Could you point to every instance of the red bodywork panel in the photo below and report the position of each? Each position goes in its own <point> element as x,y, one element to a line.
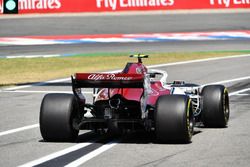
<point>129,84</point>
<point>135,94</point>
<point>157,90</point>
<point>127,93</point>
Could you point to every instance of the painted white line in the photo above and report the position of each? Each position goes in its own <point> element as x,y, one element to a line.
<point>92,154</point>
<point>18,129</point>
<point>32,56</point>
<point>198,61</point>
<point>239,91</point>
<point>39,84</point>
<point>35,91</point>
<point>244,94</point>
<point>56,154</point>
<point>38,91</point>
<point>229,81</point>
<point>152,66</point>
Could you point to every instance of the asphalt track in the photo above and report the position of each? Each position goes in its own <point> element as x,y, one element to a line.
<point>124,24</point>
<point>181,46</point>
<point>118,24</point>
<point>210,147</point>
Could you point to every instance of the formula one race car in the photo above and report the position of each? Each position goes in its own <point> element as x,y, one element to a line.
<point>133,99</point>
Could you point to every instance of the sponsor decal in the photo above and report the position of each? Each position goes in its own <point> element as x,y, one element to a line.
<point>229,3</point>
<point>39,4</point>
<point>114,4</point>
<point>97,77</point>
<point>10,6</point>
<point>64,6</point>
<point>1,6</point>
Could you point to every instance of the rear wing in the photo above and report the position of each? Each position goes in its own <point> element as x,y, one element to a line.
<point>104,80</point>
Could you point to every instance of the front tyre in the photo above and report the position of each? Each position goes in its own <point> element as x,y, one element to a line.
<point>58,113</point>
<point>174,120</point>
<point>215,111</point>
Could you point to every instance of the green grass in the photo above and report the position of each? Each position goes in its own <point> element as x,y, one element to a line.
<point>19,71</point>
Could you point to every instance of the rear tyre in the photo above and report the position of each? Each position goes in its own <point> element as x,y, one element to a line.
<point>174,120</point>
<point>215,111</point>
<point>58,113</point>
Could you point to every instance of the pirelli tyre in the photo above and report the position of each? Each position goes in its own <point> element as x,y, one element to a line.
<point>58,113</point>
<point>215,106</point>
<point>174,120</point>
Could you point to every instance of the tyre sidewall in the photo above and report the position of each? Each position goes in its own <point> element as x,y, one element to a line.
<point>214,102</point>
<point>172,119</point>
<point>56,117</point>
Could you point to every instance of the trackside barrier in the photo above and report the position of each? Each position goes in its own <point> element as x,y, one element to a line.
<point>71,6</point>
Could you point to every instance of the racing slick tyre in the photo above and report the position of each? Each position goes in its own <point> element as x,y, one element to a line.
<point>215,111</point>
<point>58,112</point>
<point>174,120</point>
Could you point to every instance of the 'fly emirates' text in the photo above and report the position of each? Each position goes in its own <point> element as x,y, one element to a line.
<point>228,3</point>
<point>113,4</point>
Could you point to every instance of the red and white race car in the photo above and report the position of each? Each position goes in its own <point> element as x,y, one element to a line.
<point>134,98</point>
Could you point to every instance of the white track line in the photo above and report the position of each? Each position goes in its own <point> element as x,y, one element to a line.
<point>239,91</point>
<point>18,129</point>
<point>55,155</point>
<point>244,94</point>
<point>198,61</point>
<point>38,84</point>
<point>38,91</point>
<point>31,56</point>
<point>229,81</point>
<point>34,91</point>
<point>92,154</point>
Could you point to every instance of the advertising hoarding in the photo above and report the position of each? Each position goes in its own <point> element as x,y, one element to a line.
<point>67,6</point>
